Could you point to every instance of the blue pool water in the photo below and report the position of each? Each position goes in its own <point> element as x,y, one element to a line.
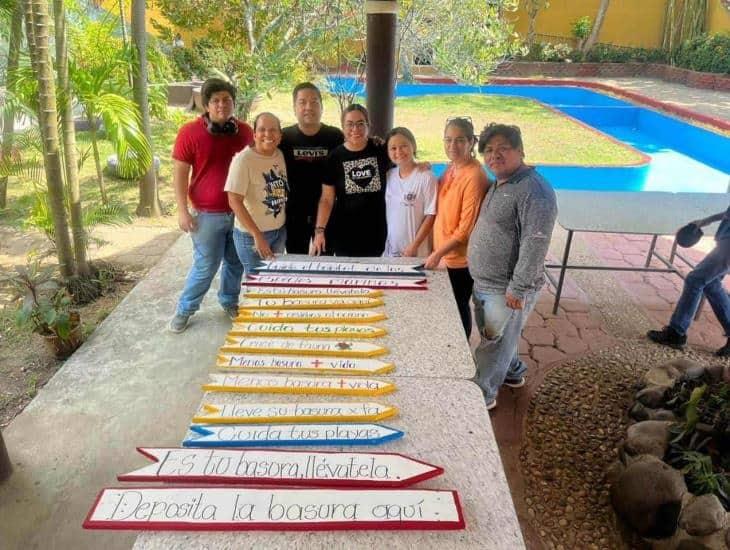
<point>683,157</point>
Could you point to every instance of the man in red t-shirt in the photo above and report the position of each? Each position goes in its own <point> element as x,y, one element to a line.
<point>206,146</point>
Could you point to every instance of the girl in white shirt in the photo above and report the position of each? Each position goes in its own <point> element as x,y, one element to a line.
<point>410,198</point>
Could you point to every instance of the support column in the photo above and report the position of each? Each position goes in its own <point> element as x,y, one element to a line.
<point>5,467</point>
<point>382,20</point>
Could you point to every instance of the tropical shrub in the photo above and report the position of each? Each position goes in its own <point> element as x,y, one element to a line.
<point>707,53</point>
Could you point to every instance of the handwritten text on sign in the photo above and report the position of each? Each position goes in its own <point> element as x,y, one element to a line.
<point>260,413</point>
<point>302,346</point>
<point>260,292</point>
<point>337,282</point>
<point>327,385</point>
<point>282,363</point>
<point>309,303</point>
<point>339,267</point>
<point>309,468</point>
<point>322,330</point>
<point>310,316</point>
<point>289,434</point>
<point>247,509</point>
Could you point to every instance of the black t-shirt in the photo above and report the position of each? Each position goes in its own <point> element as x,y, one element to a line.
<point>305,158</point>
<point>359,213</point>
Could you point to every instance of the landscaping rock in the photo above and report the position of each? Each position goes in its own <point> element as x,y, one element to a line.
<point>650,437</point>
<point>663,375</point>
<point>702,515</point>
<point>692,545</point>
<point>715,372</point>
<point>652,396</point>
<point>663,414</point>
<point>648,496</point>
<point>687,367</point>
<point>640,412</point>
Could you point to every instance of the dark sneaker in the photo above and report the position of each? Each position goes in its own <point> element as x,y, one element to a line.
<point>232,312</point>
<point>179,323</point>
<point>668,337</point>
<point>724,351</point>
<point>515,382</point>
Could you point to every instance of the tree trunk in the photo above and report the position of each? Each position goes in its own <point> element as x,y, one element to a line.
<point>149,201</point>
<point>125,41</point>
<point>531,21</point>
<point>597,24</point>
<point>48,122</point>
<point>16,36</point>
<point>69,141</point>
<point>91,118</point>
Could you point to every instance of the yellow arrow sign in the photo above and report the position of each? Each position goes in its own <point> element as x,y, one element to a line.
<point>304,330</point>
<point>320,385</point>
<point>306,365</point>
<point>302,346</point>
<point>310,316</point>
<point>268,413</point>
<point>309,303</point>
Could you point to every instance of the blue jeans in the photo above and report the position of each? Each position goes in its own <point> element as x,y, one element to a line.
<point>246,248</point>
<point>497,355</point>
<point>705,278</point>
<point>212,243</point>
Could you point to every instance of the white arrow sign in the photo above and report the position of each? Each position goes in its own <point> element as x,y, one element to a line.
<point>291,266</point>
<point>321,385</point>
<point>271,280</point>
<point>313,364</point>
<point>230,508</point>
<point>280,435</point>
<point>268,466</point>
<point>277,292</point>
<point>304,330</point>
<point>309,303</point>
<point>302,346</point>
<point>310,316</point>
<point>266,413</point>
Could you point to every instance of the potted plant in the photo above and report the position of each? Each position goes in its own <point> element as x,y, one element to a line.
<point>46,307</point>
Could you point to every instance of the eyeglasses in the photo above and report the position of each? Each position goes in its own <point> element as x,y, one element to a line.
<point>360,124</point>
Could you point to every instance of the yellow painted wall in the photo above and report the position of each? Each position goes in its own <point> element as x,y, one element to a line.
<point>634,23</point>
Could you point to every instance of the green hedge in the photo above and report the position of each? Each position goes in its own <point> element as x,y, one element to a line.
<point>707,53</point>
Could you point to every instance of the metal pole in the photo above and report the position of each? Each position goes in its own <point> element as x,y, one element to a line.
<point>5,467</point>
<point>382,19</point>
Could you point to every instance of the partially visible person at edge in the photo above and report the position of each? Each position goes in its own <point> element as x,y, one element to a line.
<point>354,185</point>
<point>460,193</point>
<point>257,193</point>
<point>706,278</point>
<point>410,198</point>
<point>507,256</point>
<point>205,147</point>
<point>306,145</point>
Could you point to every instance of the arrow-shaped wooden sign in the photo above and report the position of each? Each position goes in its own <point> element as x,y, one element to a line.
<point>310,316</point>
<point>302,346</point>
<point>335,267</point>
<point>306,330</point>
<point>310,303</point>
<point>269,413</point>
<point>288,435</point>
<point>302,280</point>
<point>278,292</point>
<point>242,509</point>
<point>306,365</point>
<point>319,385</point>
<point>276,467</point>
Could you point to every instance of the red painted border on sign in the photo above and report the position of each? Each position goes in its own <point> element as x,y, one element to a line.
<point>421,285</point>
<point>304,526</point>
<point>226,480</point>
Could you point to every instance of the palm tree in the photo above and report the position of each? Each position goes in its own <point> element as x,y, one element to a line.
<point>14,42</point>
<point>37,24</point>
<point>597,24</point>
<point>149,202</point>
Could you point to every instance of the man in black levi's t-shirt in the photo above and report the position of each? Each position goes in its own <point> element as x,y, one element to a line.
<point>306,146</point>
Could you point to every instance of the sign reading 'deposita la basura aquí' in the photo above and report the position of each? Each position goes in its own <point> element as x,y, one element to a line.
<point>324,280</point>
<point>352,268</point>
<point>231,508</point>
<point>273,466</point>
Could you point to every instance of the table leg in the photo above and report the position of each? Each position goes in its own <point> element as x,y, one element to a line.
<point>652,247</point>
<point>564,263</point>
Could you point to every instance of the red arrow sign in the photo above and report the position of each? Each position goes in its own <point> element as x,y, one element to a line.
<point>267,466</point>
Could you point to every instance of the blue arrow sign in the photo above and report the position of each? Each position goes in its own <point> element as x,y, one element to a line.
<point>272,435</point>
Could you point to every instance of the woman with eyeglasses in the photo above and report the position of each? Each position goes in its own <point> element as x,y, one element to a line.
<point>461,190</point>
<point>354,179</point>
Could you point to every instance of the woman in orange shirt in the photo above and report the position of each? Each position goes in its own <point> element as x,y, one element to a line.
<point>461,190</point>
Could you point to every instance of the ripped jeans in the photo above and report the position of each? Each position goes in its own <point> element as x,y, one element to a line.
<point>497,355</point>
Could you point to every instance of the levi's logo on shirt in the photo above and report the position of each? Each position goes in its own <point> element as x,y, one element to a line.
<point>309,153</point>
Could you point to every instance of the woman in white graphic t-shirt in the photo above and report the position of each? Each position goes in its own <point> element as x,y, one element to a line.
<point>410,198</point>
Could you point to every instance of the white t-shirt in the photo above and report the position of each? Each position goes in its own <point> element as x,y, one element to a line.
<point>407,202</point>
<point>262,182</point>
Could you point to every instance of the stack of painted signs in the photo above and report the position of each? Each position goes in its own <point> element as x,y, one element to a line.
<point>308,330</point>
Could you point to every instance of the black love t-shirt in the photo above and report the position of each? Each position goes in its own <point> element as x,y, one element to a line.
<point>359,214</point>
<point>305,158</point>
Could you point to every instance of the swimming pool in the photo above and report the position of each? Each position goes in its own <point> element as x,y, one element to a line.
<point>684,157</point>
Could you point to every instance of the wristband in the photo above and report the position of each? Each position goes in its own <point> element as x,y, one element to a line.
<point>319,229</point>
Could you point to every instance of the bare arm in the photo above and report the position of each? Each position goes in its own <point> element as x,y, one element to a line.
<point>244,217</point>
<point>181,181</point>
<point>423,232</point>
<point>711,219</point>
<point>324,210</point>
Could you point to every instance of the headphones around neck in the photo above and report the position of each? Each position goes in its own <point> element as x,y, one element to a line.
<point>228,128</point>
